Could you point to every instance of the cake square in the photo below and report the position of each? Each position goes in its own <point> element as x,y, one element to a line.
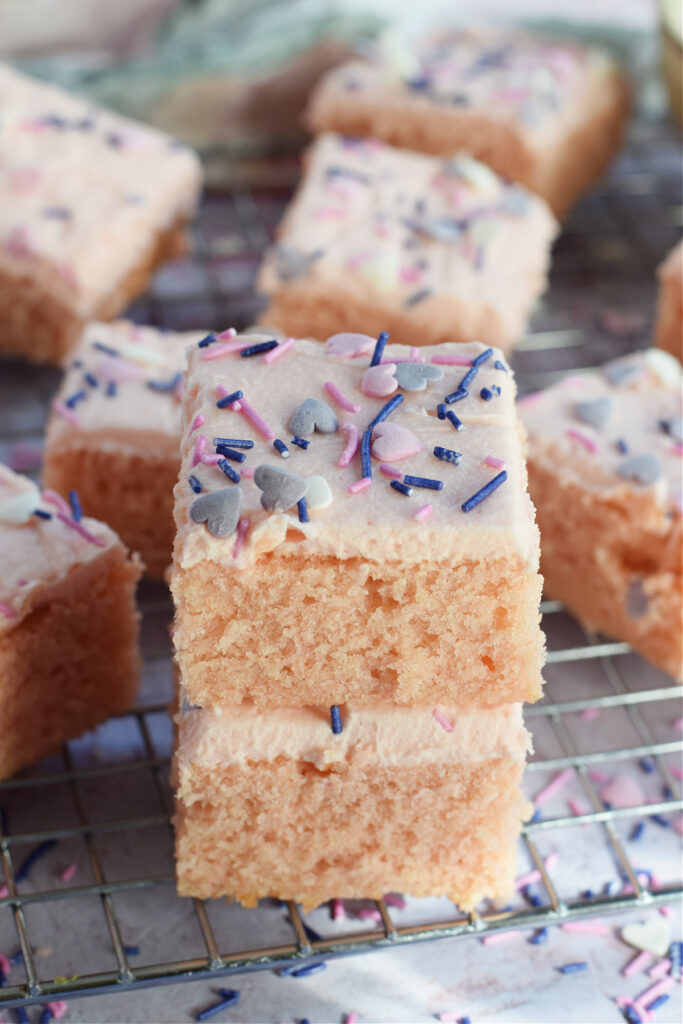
<point>669,324</point>
<point>419,800</point>
<point>114,433</point>
<point>315,577</point>
<point>605,476</point>
<point>90,204</point>
<point>544,113</point>
<point>431,250</point>
<point>68,623</point>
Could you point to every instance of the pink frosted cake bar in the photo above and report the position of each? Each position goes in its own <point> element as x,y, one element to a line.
<point>114,433</point>
<point>430,250</point>
<point>68,623</point>
<point>273,803</point>
<point>669,325</point>
<point>605,475</point>
<point>546,114</point>
<point>387,554</point>
<point>90,204</point>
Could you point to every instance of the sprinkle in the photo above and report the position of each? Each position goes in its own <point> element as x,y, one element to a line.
<point>659,819</point>
<point>393,900</point>
<point>456,396</point>
<point>621,446</point>
<point>596,775</point>
<point>229,332</point>
<point>64,411</point>
<point>468,378</point>
<point>226,468</point>
<point>232,442</point>
<point>281,350</point>
<point>590,445</point>
<point>457,423</point>
<point>223,350</point>
<point>448,455</point>
<point>423,481</point>
<point>206,341</point>
<point>58,1008</point>
<point>335,719</point>
<point>393,472</point>
<point>337,910</point>
<point>359,485</point>
<point>57,500</point>
<point>45,1017</point>
<point>304,972</point>
<point>242,531</point>
<point>639,963</point>
<point>111,389</point>
<point>230,997</point>
<point>200,446</point>
<point>7,611</point>
<point>659,1001</point>
<point>230,399</point>
<point>257,421</point>
<point>385,411</point>
<point>483,357</point>
<point>574,968</point>
<point>342,401</point>
<point>555,784</point>
<point>197,422</point>
<point>107,349</point>
<point>365,460</point>
<point>42,514</point>
<point>281,447</point>
<point>68,873</point>
<point>403,488</point>
<point>351,444</point>
<point>447,359</point>
<point>494,463</point>
<point>382,339</point>
<point>637,832</point>
<point>539,937</point>
<point>590,714</point>
<point>655,990</point>
<point>660,969</point>
<point>484,492</point>
<point>367,914</point>
<point>74,502</point>
<point>423,513</point>
<point>442,720</point>
<point>31,858</point>
<point>131,950</point>
<point>587,927</point>
<point>675,956</point>
<point>300,442</point>
<point>302,510</point>
<point>258,349</point>
<point>497,937</point>
<point>576,807</point>
<point>230,453</point>
<point>79,528</point>
<point>165,385</point>
<point>90,379</point>
<point>351,1018</point>
<point>500,366</point>
<point>486,394</point>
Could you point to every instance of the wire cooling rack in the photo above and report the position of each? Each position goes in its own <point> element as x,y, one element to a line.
<point>94,909</point>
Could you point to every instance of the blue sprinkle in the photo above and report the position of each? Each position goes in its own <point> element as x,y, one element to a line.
<point>574,968</point>
<point>302,509</point>
<point>632,1015</point>
<point>195,484</point>
<point>304,1020</point>
<point>496,390</point>
<point>335,719</point>
<point>111,389</point>
<point>263,346</point>
<point>539,937</point>
<point>165,385</point>
<point>607,805</point>
<point>423,481</point>
<point>464,1020</point>
<point>382,339</point>
<point>500,366</point>
<point>229,993</point>
<point>74,399</point>
<point>215,1008</point>
<point>537,816</point>
<point>233,442</point>
<point>74,502</point>
<point>486,394</point>
<point>312,934</point>
<point>365,461</point>
<point>448,455</point>
<point>483,357</point>
<point>532,898</point>
<point>659,1001</point>
<point>441,411</point>
<point>385,411</point>
<point>587,894</point>
<point>675,955</point>
<point>230,453</point>
<point>22,1015</point>
<point>41,514</point>
<point>91,379</point>
<point>300,442</point>
<point>659,819</point>
<point>131,950</point>
<point>231,473</point>
<point>229,399</point>
<point>484,492</point>
<point>107,349</point>
<point>46,1016</point>
<point>468,378</point>
<point>206,341</point>
<point>647,765</point>
<point>667,793</point>
<point>31,858</point>
<point>17,958</point>
<point>3,979</point>
<point>281,447</point>
<point>303,972</point>
<point>622,446</point>
<point>403,488</point>
<point>457,423</point>
<point>456,396</point>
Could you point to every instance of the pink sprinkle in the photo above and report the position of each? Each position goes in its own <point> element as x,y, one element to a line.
<point>450,359</point>
<point>623,791</point>
<point>341,399</point>
<point>639,963</point>
<point>223,392</point>
<point>211,460</point>
<point>68,414</point>
<point>200,446</point>
<point>230,332</point>
<point>391,471</point>
<point>5,965</point>
<point>57,500</point>
<point>351,444</point>
<point>555,784</point>
<point>338,912</point>
<point>368,914</point>
<point>423,513</point>
<point>492,940</point>
<point>277,353</point>
<point>597,776</point>
<point>677,773</point>
<point>643,1012</point>
<point>591,446</point>
<point>393,900</point>
<point>216,351</point>
<point>677,449</point>
<point>257,421</point>
<point>666,911</point>
<point>197,422</point>
<point>68,873</point>
<point>8,612</point>
<point>660,969</point>
<point>58,1009</point>
<point>442,720</point>
<point>417,358</point>
<point>242,531</point>
<point>587,927</point>
<point>4,891</point>
<point>551,860</point>
<point>351,1018</point>
<point>410,274</point>
<point>359,485</point>
<point>491,460</point>
<point>79,528</point>
<point>655,990</point>
<point>576,807</point>
<point>590,714</point>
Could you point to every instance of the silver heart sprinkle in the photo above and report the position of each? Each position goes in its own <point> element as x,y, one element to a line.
<point>414,376</point>
<point>643,469</point>
<point>620,371</point>
<point>595,412</point>
<point>220,510</point>
<point>281,488</point>
<point>313,415</point>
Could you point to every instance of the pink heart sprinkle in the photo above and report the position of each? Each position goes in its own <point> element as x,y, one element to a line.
<point>379,381</point>
<point>349,346</point>
<point>392,442</point>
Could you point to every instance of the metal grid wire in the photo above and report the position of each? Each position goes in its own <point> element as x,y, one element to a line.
<point>109,804</point>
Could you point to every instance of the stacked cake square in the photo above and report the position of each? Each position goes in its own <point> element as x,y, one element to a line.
<point>356,585</point>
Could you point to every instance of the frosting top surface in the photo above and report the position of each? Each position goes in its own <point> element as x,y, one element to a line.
<point>408,225</point>
<point>84,190</point>
<point>376,521</point>
<point>381,733</point>
<point>39,553</point>
<point>614,428</point>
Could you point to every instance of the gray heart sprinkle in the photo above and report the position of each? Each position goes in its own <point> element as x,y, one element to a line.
<point>313,415</point>
<point>220,510</point>
<point>674,428</point>
<point>281,488</point>
<point>414,376</point>
<point>594,412</point>
<point>643,469</point>
<point>620,371</point>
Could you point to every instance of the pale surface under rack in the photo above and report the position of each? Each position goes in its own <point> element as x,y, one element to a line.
<point>117,923</point>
